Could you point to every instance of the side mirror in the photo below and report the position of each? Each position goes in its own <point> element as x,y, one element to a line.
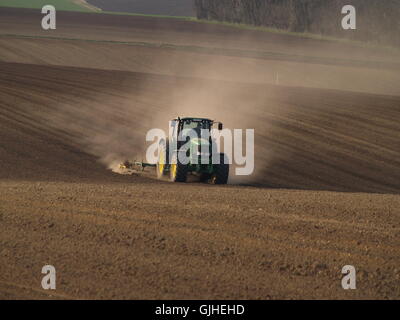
<point>220,126</point>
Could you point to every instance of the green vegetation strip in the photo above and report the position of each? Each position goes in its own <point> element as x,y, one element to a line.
<point>63,5</point>
<point>228,52</point>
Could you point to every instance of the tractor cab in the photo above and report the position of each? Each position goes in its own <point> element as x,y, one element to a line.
<point>180,125</point>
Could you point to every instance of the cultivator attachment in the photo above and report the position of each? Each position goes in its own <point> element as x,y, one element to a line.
<point>135,165</point>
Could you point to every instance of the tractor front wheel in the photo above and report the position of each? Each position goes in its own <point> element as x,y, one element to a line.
<point>221,171</point>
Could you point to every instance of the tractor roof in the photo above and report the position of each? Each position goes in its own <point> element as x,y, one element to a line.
<point>196,119</point>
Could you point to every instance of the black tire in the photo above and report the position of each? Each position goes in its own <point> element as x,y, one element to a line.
<point>167,150</point>
<point>221,171</point>
<point>178,172</point>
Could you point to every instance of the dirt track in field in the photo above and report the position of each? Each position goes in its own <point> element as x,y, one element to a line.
<point>325,193</point>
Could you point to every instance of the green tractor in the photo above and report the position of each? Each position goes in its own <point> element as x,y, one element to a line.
<point>192,136</point>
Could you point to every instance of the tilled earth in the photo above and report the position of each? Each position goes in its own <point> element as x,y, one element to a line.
<point>325,192</point>
<point>156,241</point>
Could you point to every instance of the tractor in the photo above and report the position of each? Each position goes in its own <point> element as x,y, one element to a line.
<point>193,137</point>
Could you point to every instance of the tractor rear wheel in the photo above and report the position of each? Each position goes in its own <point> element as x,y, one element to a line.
<point>221,171</point>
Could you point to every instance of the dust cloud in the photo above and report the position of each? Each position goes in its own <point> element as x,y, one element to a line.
<point>112,122</point>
